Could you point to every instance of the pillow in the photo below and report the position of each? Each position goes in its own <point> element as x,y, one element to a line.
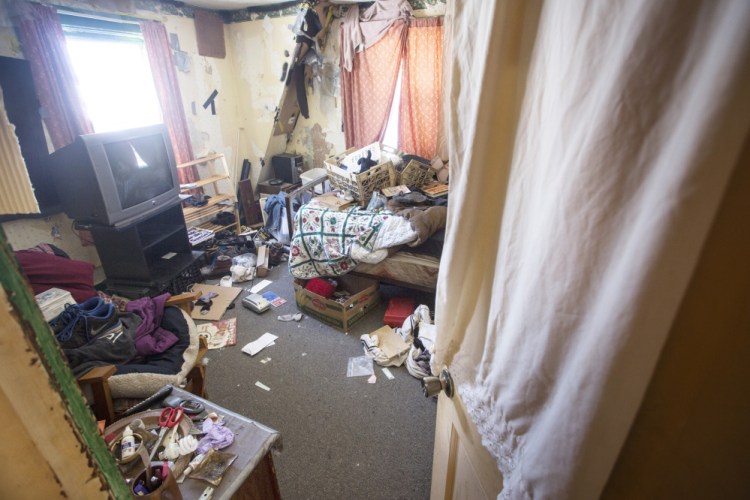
<point>45,271</point>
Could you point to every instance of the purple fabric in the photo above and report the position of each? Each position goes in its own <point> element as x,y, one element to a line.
<point>217,436</point>
<point>150,337</point>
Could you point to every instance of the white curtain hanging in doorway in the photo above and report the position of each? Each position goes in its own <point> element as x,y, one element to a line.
<point>590,146</point>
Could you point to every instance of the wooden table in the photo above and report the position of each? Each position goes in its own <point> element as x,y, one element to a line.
<point>252,475</point>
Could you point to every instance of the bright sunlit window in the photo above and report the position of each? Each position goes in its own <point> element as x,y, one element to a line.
<point>114,79</point>
<point>391,129</point>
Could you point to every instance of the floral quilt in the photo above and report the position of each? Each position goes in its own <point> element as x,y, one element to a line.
<point>323,240</point>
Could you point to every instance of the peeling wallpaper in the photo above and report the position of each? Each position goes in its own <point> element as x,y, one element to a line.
<point>290,9</point>
<point>320,136</point>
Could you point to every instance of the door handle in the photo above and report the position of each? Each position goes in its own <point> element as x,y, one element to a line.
<point>431,386</point>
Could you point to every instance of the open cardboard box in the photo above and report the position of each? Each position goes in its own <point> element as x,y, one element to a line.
<point>261,267</point>
<point>365,295</point>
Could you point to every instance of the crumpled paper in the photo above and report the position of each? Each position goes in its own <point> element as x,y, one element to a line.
<point>217,436</point>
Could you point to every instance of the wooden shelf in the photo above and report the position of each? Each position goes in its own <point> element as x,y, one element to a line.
<point>205,159</point>
<point>194,213</point>
<point>217,172</point>
<point>203,182</point>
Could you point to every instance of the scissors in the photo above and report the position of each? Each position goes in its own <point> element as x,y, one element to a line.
<point>168,419</point>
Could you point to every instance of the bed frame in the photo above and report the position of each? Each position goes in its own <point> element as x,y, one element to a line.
<point>402,268</point>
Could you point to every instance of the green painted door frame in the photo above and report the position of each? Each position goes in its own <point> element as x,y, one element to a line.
<point>23,301</point>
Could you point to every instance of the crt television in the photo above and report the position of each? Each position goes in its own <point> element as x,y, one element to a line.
<point>116,178</point>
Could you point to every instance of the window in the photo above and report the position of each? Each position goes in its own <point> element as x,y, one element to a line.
<point>391,129</point>
<point>114,77</point>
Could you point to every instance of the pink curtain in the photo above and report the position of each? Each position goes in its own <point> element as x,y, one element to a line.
<point>168,90</point>
<point>368,89</point>
<point>43,43</point>
<point>419,115</point>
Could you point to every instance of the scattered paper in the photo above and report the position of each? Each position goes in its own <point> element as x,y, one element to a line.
<point>256,346</point>
<point>274,299</point>
<point>219,333</point>
<point>291,317</point>
<point>168,256</point>
<point>262,386</point>
<point>265,360</point>
<point>260,286</point>
<point>372,379</point>
<point>388,374</point>
<point>388,192</point>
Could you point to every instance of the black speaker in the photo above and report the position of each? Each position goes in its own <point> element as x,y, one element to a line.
<point>287,167</point>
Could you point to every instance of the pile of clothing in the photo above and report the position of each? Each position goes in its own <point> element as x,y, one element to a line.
<point>414,346</point>
<point>145,337</point>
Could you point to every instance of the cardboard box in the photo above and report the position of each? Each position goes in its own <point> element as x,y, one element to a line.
<point>225,295</point>
<point>261,267</point>
<point>331,201</point>
<point>53,301</point>
<point>365,296</point>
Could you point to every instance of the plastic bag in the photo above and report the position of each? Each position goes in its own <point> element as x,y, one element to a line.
<point>360,366</point>
<point>245,260</point>
<point>377,202</point>
<point>243,267</point>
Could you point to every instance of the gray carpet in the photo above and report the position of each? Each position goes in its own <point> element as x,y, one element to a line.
<point>342,437</point>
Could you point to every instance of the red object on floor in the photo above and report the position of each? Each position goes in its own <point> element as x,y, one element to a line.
<point>399,308</point>
<point>321,287</point>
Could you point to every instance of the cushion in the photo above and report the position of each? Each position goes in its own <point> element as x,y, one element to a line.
<point>142,385</point>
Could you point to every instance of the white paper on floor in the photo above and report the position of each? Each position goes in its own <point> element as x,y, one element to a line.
<point>372,379</point>
<point>262,386</point>
<point>260,286</point>
<point>388,374</point>
<point>256,346</point>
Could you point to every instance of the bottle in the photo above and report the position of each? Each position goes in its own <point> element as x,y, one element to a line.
<point>127,444</point>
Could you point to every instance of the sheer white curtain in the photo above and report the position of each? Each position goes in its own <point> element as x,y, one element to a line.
<point>590,144</point>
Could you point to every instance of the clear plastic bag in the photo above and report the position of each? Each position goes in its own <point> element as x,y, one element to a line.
<point>377,202</point>
<point>245,260</point>
<point>360,366</point>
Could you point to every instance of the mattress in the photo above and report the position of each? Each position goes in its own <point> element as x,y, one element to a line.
<point>405,269</point>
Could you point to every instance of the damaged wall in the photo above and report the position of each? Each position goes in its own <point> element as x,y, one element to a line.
<point>257,49</point>
<point>260,47</point>
<point>316,137</point>
<point>322,135</point>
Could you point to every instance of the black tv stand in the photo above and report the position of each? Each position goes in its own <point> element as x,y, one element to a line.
<point>147,257</point>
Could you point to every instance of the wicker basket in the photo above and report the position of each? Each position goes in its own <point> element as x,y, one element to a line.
<point>416,174</point>
<point>361,186</point>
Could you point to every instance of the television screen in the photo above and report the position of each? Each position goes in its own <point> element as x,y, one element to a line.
<point>140,167</point>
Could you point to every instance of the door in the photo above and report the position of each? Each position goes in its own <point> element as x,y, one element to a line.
<point>461,467</point>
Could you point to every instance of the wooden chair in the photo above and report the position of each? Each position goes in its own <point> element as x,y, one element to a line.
<point>97,384</point>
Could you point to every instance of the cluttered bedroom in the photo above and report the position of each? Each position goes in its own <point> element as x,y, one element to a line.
<point>396,249</point>
<point>231,217</point>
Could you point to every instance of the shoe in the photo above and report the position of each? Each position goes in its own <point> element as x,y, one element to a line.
<point>72,311</point>
<point>87,326</point>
